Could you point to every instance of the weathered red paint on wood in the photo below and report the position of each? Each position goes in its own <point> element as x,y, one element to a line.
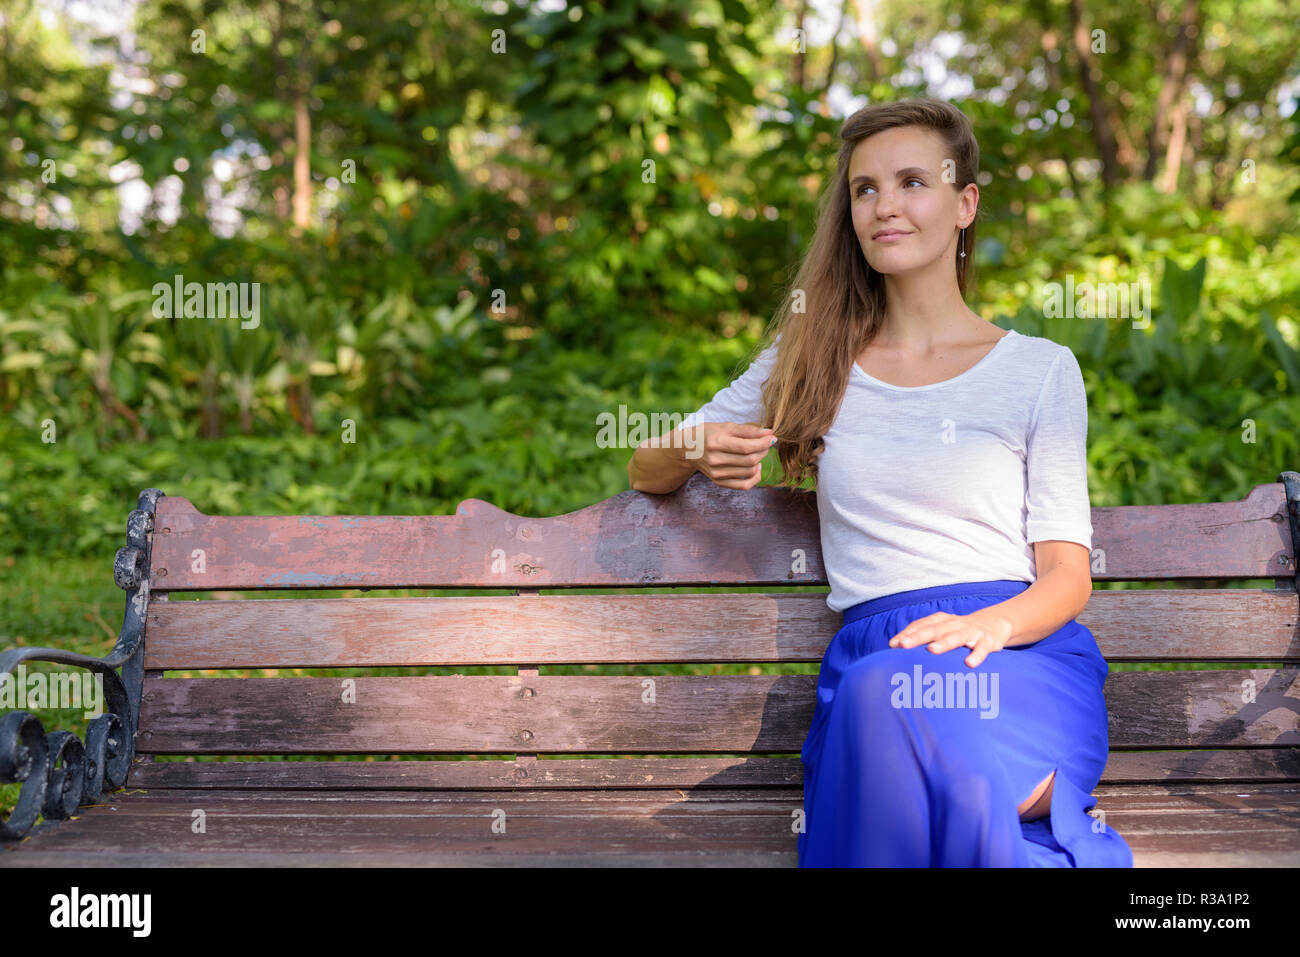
<point>701,534</point>
<point>1198,624</point>
<point>611,715</point>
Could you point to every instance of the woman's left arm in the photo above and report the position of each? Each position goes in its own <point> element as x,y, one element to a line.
<point>1058,594</point>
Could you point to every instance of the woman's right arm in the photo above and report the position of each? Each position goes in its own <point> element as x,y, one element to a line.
<point>729,453</point>
<point>660,464</point>
<point>711,440</point>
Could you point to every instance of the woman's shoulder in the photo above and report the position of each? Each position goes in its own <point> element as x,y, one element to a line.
<point>1040,349</point>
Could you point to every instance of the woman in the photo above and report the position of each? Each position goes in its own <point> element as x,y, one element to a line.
<point>960,719</point>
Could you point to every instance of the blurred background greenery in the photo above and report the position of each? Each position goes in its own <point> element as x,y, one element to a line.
<point>461,249</point>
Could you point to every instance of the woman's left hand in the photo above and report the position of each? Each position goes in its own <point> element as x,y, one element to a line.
<point>982,631</point>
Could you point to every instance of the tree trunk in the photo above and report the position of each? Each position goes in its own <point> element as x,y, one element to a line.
<point>1050,41</point>
<point>1175,79</point>
<point>835,59</point>
<point>796,80</point>
<point>301,163</point>
<point>299,400</point>
<point>869,30</point>
<point>1101,131</point>
<point>1177,142</point>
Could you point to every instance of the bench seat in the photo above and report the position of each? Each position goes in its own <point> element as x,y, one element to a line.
<point>1178,825</point>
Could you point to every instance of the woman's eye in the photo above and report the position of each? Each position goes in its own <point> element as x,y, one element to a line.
<point>912,180</point>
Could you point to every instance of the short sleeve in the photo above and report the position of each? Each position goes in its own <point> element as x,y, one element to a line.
<point>1056,458</point>
<point>742,401</point>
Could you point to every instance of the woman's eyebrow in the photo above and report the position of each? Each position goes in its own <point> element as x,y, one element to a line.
<point>909,171</point>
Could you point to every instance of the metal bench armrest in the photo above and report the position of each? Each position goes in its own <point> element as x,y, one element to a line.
<point>59,773</point>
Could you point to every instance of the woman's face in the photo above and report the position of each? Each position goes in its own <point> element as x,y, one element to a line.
<point>897,183</point>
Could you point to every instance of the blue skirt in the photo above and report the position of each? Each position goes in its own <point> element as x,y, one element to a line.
<point>915,759</point>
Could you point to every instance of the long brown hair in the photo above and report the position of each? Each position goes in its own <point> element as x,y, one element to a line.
<point>835,304</point>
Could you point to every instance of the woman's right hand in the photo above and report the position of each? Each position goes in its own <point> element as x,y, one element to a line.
<point>732,453</point>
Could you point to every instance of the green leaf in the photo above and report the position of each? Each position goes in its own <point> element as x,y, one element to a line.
<point>1181,289</point>
<point>1285,354</point>
<point>22,360</point>
<point>646,57</point>
<point>712,122</point>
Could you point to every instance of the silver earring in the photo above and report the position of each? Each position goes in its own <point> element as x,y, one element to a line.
<point>962,243</point>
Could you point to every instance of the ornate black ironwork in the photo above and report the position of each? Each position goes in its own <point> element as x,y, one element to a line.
<point>57,771</point>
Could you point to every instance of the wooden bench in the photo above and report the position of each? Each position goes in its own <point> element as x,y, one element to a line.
<point>675,769</point>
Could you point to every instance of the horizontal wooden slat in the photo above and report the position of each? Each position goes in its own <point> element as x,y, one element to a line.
<point>1165,825</point>
<point>479,774</point>
<point>1250,538</point>
<point>375,632</point>
<point>1185,825</point>
<point>701,534</point>
<point>1197,709</point>
<point>537,824</point>
<point>1195,624</point>
<point>608,715</point>
<point>1224,624</point>
<point>1123,767</point>
<point>1208,765</point>
<point>475,713</point>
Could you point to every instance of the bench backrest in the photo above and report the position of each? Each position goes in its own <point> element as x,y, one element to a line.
<point>1242,723</point>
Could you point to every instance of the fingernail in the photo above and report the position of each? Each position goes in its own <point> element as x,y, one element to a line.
<point>773,442</point>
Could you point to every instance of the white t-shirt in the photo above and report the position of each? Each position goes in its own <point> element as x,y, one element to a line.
<point>944,483</point>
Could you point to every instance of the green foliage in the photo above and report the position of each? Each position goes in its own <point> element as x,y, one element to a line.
<point>520,220</point>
